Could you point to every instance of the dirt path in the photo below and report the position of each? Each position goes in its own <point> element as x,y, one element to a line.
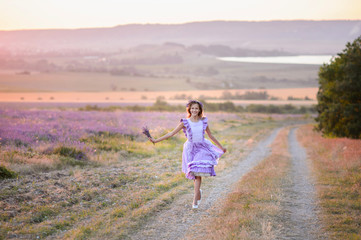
<point>174,222</point>
<point>298,219</point>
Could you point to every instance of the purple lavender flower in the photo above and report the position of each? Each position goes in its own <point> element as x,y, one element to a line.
<point>146,132</point>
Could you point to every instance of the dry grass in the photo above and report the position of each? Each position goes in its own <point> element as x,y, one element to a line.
<point>337,166</point>
<point>248,211</point>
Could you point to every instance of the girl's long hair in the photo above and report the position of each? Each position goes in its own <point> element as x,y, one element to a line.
<point>200,105</point>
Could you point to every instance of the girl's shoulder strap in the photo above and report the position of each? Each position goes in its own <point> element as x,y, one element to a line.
<point>205,123</point>
<point>185,121</point>
<point>185,125</point>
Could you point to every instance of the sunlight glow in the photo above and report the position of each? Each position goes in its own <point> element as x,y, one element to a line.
<point>39,14</point>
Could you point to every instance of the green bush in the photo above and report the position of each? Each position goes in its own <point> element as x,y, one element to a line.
<point>70,152</point>
<point>6,173</point>
<point>339,98</point>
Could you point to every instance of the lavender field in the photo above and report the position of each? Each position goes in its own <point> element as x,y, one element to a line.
<point>24,130</point>
<point>86,174</point>
<point>43,132</point>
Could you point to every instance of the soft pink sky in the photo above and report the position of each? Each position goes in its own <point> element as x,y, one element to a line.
<point>40,14</point>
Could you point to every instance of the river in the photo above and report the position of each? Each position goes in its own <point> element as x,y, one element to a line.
<point>300,59</point>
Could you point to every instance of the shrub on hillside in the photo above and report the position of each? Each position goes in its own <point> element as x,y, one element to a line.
<point>339,98</point>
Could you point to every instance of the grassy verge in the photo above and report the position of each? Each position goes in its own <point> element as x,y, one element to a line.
<point>337,166</point>
<point>248,211</point>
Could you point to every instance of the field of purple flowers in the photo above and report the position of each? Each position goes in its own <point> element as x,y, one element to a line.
<point>43,131</point>
<point>90,174</point>
<point>31,128</point>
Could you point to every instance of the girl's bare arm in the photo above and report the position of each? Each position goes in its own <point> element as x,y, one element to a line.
<point>208,130</point>
<point>168,135</point>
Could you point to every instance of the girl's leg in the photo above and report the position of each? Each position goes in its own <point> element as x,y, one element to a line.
<point>197,186</point>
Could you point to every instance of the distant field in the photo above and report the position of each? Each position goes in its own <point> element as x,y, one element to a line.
<point>200,73</point>
<point>87,82</point>
<point>149,97</point>
<point>82,80</point>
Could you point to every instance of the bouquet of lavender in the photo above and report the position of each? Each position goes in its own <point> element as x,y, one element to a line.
<point>146,132</point>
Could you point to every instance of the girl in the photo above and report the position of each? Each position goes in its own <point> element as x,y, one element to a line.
<point>199,154</point>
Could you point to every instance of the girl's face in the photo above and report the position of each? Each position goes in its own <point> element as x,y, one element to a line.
<point>194,109</point>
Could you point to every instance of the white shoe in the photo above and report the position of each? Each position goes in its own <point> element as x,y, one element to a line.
<point>199,201</point>
<point>194,206</point>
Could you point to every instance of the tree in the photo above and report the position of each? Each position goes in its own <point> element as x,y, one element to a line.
<point>339,94</point>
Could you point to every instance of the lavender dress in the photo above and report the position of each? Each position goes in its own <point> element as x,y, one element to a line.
<point>199,154</point>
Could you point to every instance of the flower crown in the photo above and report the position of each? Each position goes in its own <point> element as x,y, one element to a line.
<point>194,101</point>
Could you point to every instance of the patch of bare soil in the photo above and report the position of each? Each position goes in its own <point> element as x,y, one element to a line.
<point>178,219</point>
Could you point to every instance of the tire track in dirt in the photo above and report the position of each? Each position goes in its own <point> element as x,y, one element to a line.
<point>298,218</point>
<point>173,223</point>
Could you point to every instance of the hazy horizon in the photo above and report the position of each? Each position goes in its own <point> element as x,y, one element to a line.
<point>183,23</point>
<point>20,15</point>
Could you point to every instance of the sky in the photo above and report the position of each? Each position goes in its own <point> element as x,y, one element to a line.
<point>73,14</point>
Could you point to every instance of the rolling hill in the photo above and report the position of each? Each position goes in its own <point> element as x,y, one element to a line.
<point>298,37</point>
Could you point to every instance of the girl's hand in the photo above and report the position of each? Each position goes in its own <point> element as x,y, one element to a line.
<point>224,150</point>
